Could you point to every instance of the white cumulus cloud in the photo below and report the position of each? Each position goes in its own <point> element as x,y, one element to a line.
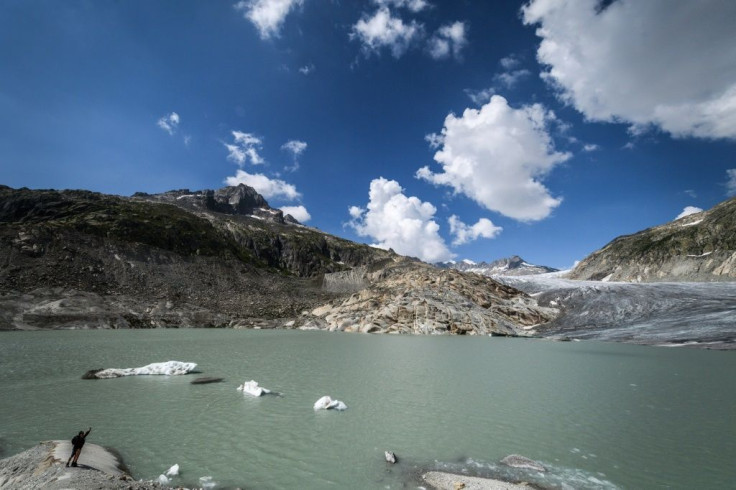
<point>463,233</point>
<point>169,123</point>
<point>449,40</point>
<point>688,211</point>
<point>267,15</point>
<point>299,213</point>
<point>663,63</point>
<point>405,224</point>
<point>383,30</point>
<point>267,187</point>
<point>731,182</point>
<point>498,156</point>
<point>245,147</point>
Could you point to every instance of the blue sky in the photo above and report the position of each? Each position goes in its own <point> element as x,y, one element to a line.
<point>443,129</point>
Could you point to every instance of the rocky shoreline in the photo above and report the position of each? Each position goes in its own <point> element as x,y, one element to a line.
<point>43,466</point>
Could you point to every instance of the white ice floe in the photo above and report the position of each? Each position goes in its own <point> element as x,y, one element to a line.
<point>251,388</point>
<point>327,403</point>
<point>173,471</point>
<point>162,479</point>
<point>169,368</point>
<point>207,482</point>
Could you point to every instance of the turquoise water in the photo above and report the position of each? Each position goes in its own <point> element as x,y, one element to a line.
<point>598,415</point>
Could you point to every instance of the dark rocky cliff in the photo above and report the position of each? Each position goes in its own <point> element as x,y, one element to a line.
<point>84,259</point>
<point>79,259</point>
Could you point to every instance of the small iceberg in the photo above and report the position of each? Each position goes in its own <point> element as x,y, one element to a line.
<point>517,461</point>
<point>251,388</point>
<point>207,482</point>
<point>169,368</point>
<point>327,403</point>
<point>164,477</point>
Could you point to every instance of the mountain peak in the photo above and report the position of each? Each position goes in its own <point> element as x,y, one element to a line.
<point>514,266</point>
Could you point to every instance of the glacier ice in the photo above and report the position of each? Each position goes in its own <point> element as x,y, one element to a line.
<point>251,388</point>
<point>168,368</point>
<point>173,471</point>
<point>327,403</point>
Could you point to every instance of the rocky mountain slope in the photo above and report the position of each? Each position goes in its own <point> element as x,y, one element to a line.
<point>509,266</point>
<point>224,258</point>
<point>698,247</point>
<point>411,297</point>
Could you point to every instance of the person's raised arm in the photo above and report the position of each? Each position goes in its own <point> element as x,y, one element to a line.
<point>87,433</point>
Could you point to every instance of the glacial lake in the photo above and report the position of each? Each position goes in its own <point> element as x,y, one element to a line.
<point>598,415</point>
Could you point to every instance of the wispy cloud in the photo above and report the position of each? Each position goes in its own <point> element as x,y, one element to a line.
<point>296,148</point>
<point>169,123</point>
<point>449,40</point>
<point>383,30</point>
<point>480,97</point>
<point>413,5</point>
<point>245,147</point>
<point>463,233</point>
<point>267,15</point>
<point>731,182</point>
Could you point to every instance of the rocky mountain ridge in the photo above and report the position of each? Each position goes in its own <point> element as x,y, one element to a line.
<point>697,247</point>
<point>509,266</point>
<point>79,259</point>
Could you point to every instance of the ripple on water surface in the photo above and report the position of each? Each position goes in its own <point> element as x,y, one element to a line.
<point>598,414</point>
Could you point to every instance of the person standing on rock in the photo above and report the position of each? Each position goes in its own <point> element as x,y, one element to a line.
<point>77,443</point>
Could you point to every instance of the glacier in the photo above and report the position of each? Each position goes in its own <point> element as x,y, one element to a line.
<point>687,314</point>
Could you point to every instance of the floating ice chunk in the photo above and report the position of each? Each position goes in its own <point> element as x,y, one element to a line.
<point>168,368</point>
<point>517,461</point>
<point>173,471</point>
<point>207,482</point>
<point>251,388</point>
<point>162,479</point>
<point>327,403</point>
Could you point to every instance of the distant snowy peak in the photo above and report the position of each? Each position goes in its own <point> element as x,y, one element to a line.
<point>510,266</point>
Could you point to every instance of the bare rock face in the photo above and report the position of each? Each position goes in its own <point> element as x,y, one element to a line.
<point>698,247</point>
<point>409,297</point>
<point>78,260</point>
